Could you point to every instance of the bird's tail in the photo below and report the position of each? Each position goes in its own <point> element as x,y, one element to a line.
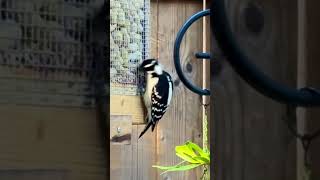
<point>154,125</point>
<point>146,128</point>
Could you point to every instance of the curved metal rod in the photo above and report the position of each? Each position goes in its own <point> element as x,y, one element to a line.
<point>249,72</point>
<point>176,53</point>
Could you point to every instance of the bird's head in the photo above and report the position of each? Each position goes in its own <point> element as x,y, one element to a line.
<point>151,66</point>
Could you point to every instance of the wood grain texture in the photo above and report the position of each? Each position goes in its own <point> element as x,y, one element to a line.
<point>301,82</point>
<point>128,105</point>
<point>249,138</point>
<point>120,129</point>
<point>34,174</point>
<point>146,157</point>
<point>134,161</point>
<point>182,121</point>
<point>51,139</point>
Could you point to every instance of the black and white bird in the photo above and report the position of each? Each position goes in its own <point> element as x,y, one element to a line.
<point>158,92</point>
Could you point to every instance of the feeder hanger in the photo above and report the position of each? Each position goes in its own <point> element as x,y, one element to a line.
<point>220,27</point>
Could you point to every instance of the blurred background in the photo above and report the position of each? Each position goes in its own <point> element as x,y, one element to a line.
<point>48,63</point>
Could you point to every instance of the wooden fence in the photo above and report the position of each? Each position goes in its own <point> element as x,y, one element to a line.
<point>250,138</point>
<point>182,121</point>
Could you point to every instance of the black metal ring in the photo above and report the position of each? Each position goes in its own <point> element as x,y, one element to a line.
<point>249,72</point>
<point>176,53</point>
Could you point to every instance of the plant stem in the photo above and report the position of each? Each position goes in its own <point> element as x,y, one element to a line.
<point>206,173</point>
<point>205,131</point>
<point>175,165</point>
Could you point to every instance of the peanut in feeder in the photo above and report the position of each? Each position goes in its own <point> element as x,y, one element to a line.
<point>129,45</point>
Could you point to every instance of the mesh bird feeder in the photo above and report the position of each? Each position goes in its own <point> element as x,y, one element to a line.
<point>46,53</point>
<point>129,45</point>
<point>129,27</point>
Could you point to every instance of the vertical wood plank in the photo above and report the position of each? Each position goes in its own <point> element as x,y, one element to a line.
<point>121,157</point>
<point>313,79</point>
<point>67,140</point>
<point>135,158</point>
<point>134,161</point>
<point>146,155</point>
<point>301,82</point>
<point>182,121</point>
<point>250,139</point>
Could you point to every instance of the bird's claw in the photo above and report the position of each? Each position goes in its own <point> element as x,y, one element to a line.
<point>142,91</point>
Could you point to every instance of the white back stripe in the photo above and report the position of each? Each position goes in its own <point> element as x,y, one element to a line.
<point>170,91</point>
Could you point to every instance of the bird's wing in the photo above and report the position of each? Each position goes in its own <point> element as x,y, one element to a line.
<point>159,101</point>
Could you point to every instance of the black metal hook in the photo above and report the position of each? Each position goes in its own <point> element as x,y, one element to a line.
<point>241,63</point>
<point>176,53</point>
<point>220,26</point>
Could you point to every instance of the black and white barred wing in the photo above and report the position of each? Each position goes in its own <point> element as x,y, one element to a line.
<point>160,100</point>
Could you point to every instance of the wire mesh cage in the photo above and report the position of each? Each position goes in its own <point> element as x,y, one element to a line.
<point>129,44</point>
<point>45,52</point>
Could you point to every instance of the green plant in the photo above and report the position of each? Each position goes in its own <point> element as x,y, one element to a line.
<point>193,156</point>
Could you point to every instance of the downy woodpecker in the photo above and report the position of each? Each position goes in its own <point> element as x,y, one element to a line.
<point>158,92</point>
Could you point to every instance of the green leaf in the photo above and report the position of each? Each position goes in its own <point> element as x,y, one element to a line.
<point>187,158</point>
<point>177,167</point>
<point>192,153</point>
<point>164,167</point>
<point>168,167</point>
<point>197,149</point>
<point>184,167</point>
<point>185,153</point>
<point>186,150</point>
<point>202,160</point>
<point>204,154</point>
